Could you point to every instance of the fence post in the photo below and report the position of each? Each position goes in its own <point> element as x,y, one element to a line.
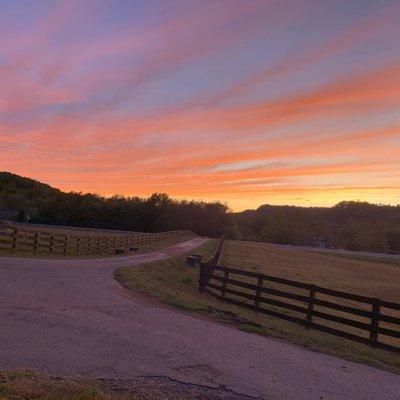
<point>258,293</point>
<point>35,242</point>
<point>51,243</point>
<point>224,283</point>
<point>376,311</point>
<point>310,308</point>
<point>65,245</point>
<point>89,245</point>
<point>203,277</point>
<point>14,242</point>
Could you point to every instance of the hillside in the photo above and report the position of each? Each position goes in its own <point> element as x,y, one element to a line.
<point>349,225</point>
<point>23,199</point>
<point>356,226</point>
<point>20,196</point>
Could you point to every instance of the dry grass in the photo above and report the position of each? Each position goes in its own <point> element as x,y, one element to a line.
<point>391,259</point>
<point>23,385</point>
<point>366,276</point>
<point>176,284</point>
<point>171,281</point>
<point>28,385</point>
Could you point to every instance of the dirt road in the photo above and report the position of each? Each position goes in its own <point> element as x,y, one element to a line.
<point>70,318</point>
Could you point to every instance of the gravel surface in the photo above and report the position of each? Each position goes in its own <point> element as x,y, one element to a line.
<point>70,318</point>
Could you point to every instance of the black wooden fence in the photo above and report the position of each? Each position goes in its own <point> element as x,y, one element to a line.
<point>217,254</point>
<point>363,319</point>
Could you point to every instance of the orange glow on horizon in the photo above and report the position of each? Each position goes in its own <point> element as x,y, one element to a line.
<point>246,111</point>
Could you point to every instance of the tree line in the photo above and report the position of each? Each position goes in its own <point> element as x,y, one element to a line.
<point>350,225</point>
<point>25,199</point>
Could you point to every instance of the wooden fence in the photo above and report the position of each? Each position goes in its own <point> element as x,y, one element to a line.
<point>363,319</point>
<point>217,254</point>
<point>16,240</point>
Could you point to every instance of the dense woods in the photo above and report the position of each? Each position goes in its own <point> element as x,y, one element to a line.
<point>348,225</point>
<point>359,226</point>
<point>22,198</point>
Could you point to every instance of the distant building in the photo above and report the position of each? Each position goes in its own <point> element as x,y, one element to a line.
<point>320,242</point>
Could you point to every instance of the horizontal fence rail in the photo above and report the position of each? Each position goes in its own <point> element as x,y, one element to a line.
<point>363,319</point>
<point>15,240</point>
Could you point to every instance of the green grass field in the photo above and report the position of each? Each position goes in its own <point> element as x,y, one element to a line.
<point>176,284</point>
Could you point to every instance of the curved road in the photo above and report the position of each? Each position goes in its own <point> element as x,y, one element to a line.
<point>70,318</point>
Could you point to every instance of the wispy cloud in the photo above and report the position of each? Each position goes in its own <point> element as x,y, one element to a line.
<point>247,102</point>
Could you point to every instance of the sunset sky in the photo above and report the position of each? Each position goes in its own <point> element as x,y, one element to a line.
<point>248,102</point>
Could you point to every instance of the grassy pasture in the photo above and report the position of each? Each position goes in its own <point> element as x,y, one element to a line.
<point>368,276</point>
<point>170,280</point>
<point>176,284</point>
<point>360,275</point>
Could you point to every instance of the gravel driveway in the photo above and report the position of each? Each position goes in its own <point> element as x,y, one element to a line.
<point>70,318</point>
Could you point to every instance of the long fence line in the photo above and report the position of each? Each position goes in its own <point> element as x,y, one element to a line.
<point>359,318</point>
<point>217,253</point>
<point>17,240</point>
